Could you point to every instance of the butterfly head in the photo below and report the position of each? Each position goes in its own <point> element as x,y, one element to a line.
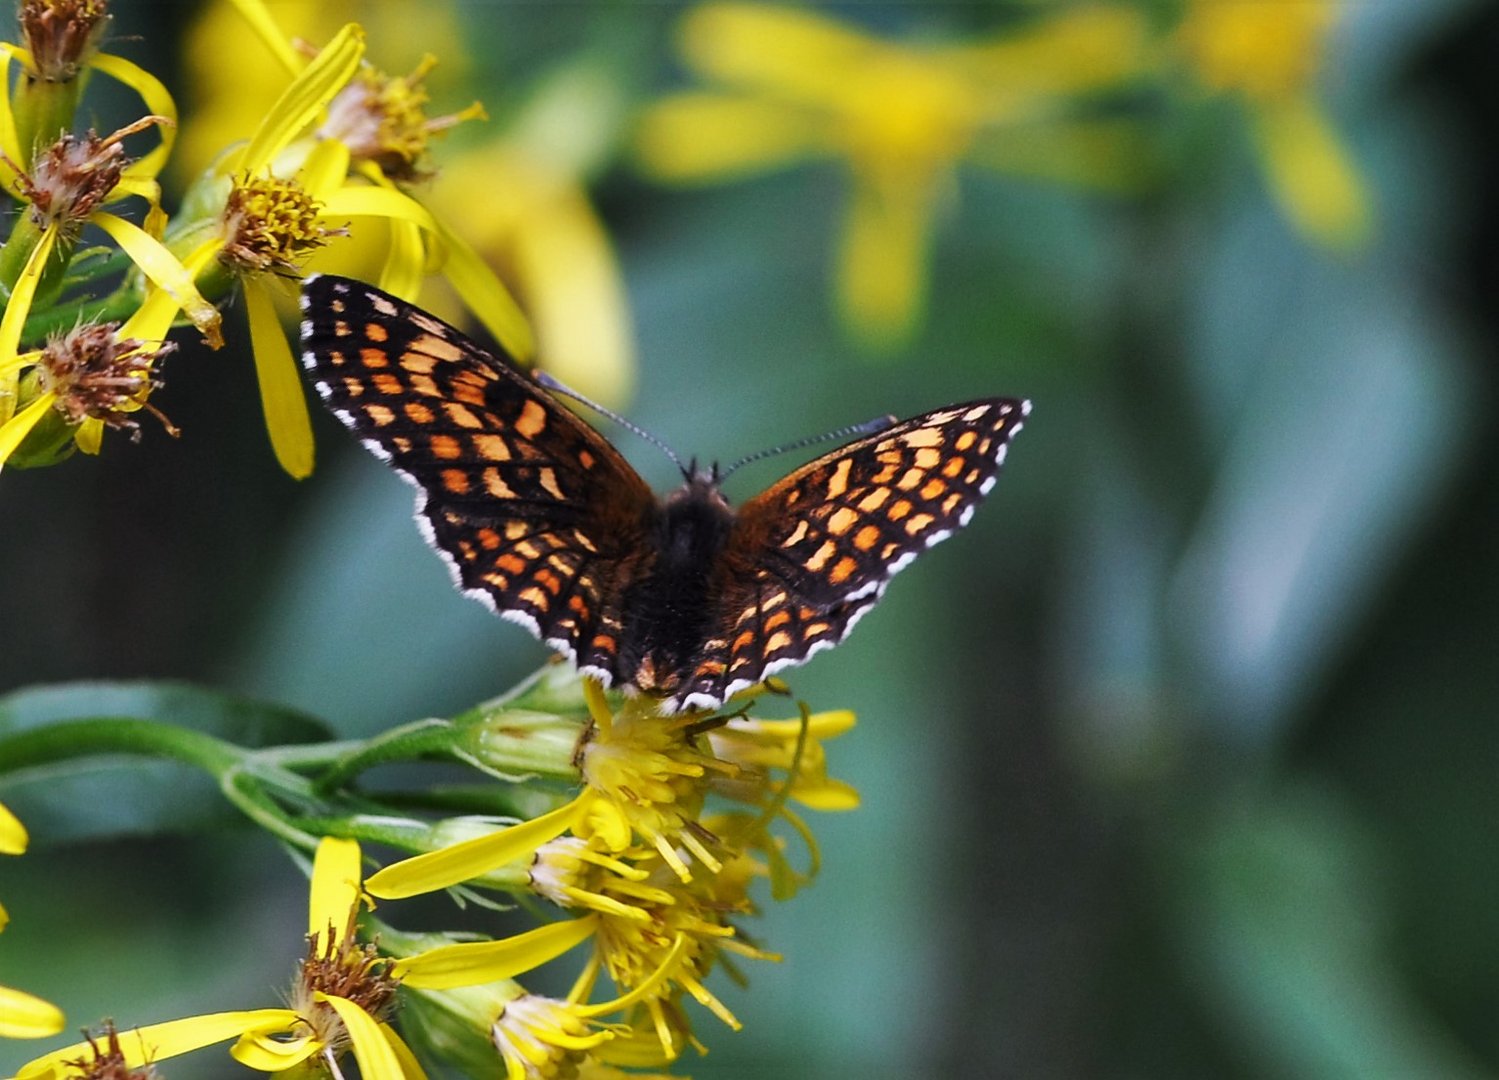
<point>700,486</point>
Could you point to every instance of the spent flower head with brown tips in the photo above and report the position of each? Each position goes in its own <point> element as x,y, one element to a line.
<point>96,374</point>
<point>382,119</point>
<point>108,1061</point>
<point>77,174</point>
<point>62,35</point>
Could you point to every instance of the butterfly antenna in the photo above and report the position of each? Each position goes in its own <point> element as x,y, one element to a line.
<point>566,391</point>
<point>869,427</point>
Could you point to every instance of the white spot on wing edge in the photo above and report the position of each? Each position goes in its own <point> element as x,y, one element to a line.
<point>384,455</point>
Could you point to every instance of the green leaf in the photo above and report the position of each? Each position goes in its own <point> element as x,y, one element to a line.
<point>134,787</point>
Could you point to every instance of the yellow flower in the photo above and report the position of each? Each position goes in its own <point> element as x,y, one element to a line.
<point>796,85</point>
<point>280,189</point>
<point>644,775</point>
<point>1268,54</point>
<point>341,1001</point>
<point>537,1037</point>
<point>671,941</point>
<point>68,186</point>
<point>647,775</point>
<point>22,1016</point>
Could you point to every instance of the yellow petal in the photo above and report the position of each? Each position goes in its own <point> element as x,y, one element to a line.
<point>826,795</point>
<point>1312,174</point>
<point>18,306</point>
<point>23,1016</point>
<point>158,102</point>
<point>787,51</point>
<point>281,396</point>
<point>489,300</point>
<point>275,1053</point>
<point>377,1059</point>
<point>162,267</point>
<point>1060,53</point>
<point>473,962</point>
<point>326,167</point>
<point>352,201</point>
<point>259,18</point>
<point>90,435</point>
<point>302,101</point>
<point>409,1065</point>
<point>567,272</point>
<point>14,431</point>
<point>449,866</point>
<point>160,1041</point>
<point>10,142</point>
<point>883,262</point>
<point>152,320</point>
<point>142,186</point>
<point>710,137</point>
<point>821,725</point>
<point>403,269</point>
<point>13,837</point>
<point>336,870</point>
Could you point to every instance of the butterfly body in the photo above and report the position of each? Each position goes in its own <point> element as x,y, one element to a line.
<point>666,611</point>
<point>540,518</point>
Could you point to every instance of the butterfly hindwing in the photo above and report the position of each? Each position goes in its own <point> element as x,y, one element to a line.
<point>536,514</point>
<point>813,552</point>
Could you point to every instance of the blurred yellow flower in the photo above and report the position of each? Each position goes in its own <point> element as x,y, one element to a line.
<point>1268,53</point>
<point>796,85</point>
<point>532,218</point>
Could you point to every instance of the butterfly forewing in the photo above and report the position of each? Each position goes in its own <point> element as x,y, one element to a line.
<point>813,552</point>
<point>536,513</point>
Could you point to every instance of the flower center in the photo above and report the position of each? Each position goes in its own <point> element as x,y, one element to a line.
<point>270,224</point>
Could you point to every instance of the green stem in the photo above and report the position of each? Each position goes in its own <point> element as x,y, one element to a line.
<point>44,112</point>
<point>116,307</point>
<point>403,743</point>
<point>108,735</point>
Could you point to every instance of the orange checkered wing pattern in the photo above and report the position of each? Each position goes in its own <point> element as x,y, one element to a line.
<point>536,514</point>
<point>812,553</point>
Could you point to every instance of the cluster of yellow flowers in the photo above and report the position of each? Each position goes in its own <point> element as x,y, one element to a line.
<point>1052,98</point>
<point>342,143</point>
<point>651,875</point>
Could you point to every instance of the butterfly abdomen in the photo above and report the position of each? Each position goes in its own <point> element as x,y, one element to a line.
<point>670,607</point>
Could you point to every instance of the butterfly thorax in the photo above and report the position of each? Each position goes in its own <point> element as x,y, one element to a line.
<point>672,604</point>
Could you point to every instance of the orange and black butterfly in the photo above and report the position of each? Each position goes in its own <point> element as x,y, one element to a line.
<point>543,521</point>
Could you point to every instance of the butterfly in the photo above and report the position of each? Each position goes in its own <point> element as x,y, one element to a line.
<point>541,519</point>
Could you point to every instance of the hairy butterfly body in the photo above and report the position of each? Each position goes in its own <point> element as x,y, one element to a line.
<point>541,518</point>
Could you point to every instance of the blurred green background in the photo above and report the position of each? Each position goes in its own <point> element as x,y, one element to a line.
<point>1180,761</point>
